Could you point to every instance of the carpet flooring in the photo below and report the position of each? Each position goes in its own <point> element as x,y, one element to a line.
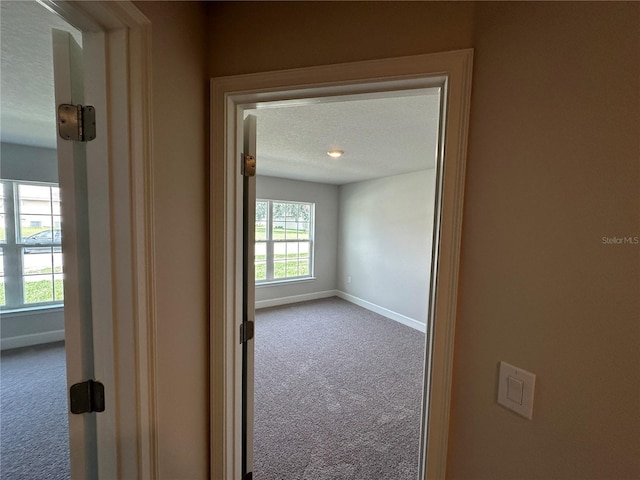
<point>338,394</point>
<point>34,433</point>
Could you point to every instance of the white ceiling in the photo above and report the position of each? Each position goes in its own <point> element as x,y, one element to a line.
<point>27,108</point>
<point>381,136</point>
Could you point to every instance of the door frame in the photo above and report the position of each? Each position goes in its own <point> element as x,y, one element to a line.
<point>117,71</point>
<point>229,96</point>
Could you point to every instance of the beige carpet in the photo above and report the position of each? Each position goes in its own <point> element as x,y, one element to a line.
<point>337,393</point>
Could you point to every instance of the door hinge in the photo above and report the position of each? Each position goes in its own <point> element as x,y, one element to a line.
<point>248,476</point>
<point>86,397</point>
<point>248,165</point>
<point>246,331</point>
<point>77,122</point>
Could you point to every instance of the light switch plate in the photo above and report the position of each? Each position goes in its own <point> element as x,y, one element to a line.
<point>511,376</point>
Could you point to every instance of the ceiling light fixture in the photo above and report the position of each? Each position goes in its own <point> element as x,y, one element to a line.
<point>335,153</point>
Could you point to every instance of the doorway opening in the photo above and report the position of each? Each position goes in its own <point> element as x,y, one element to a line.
<point>345,195</point>
<point>33,392</point>
<point>231,96</point>
<point>115,43</point>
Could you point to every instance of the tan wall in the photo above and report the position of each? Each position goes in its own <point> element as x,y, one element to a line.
<point>263,36</point>
<point>553,167</point>
<point>180,112</point>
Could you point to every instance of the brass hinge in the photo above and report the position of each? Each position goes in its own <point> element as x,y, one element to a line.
<point>248,165</point>
<point>77,122</point>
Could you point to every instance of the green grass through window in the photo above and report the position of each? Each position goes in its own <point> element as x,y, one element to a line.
<point>281,234</point>
<point>38,291</point>
<point>292,267</point>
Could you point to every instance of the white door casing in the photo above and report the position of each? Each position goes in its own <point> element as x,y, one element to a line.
<point>229,97</point>
<point>116,43</point>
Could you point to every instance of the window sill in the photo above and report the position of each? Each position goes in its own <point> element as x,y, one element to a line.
<point>16,312</point>
<point>276,283</point>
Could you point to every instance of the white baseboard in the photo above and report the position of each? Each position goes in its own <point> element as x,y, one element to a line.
<point>294,299</point>
<point>385,312</point>
<point>32,339</point>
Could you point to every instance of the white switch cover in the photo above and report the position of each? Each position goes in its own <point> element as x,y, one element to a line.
<point>515,389</point>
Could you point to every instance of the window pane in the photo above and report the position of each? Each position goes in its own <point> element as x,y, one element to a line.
<point>261,220</point>
<point>279,211</point>
<point>279,250</point>
<point>303,230</point>
<point>37,276</point>
<point>279,269</point>
<point>55,201</point>
<point>58,284</point>
<point>304,263</point>
<point>278,222</point>
<point>35,199</point>
<point>57,261</point>
<point>304,249</point>
<point>261,261</point>
<point>279,264</point>
<point>292,259</point>
<point>304,214</point>
<point>38,262</point>
<point>36,214</point>
<point>38,288</point>
<point>3,228</point>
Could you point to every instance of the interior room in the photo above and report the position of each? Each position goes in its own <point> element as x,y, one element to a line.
<point>365,168</point>
<point>34,427</point>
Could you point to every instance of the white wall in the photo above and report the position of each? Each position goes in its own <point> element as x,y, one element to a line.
<point>325,198</point>
<point>22,162</point>
<point>384,242</point>
<point>32,327</point>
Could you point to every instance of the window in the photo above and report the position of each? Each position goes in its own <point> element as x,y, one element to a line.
<point>31,245</point>
<point>284,240</point>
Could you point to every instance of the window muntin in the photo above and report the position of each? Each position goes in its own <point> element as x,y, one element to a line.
<point>31,245</point>
<point>284,240</point>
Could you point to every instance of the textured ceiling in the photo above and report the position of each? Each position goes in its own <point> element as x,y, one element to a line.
<point>380,137</point>
<point>27,109</point>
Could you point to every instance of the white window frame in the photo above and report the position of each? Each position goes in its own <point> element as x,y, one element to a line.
<point>13,249</point>
<point>270,243</point>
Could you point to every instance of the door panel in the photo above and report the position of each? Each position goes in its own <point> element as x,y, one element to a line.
<point>248,294</point>
<point>72,175</point>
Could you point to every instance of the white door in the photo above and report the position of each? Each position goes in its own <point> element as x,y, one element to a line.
<point>248,291</point>
<point>72,175</point>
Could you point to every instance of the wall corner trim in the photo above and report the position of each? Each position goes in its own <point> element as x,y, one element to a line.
<point>385,312</point>
<point>31,339</point>
<point>295,299</point>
